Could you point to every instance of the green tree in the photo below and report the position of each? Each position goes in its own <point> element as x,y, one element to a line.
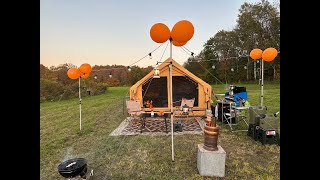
<point>135,74</point>
<point>258,26</point>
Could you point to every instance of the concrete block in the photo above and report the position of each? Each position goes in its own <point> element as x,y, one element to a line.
<point>211,163</point>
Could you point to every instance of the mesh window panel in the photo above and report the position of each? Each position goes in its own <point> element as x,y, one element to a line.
<point>184,87</point>
<point>156,90</point>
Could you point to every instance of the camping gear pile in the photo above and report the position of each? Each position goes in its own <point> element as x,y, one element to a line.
<point>232,98</point>
<point>236,94</point>
<point>263,126</point>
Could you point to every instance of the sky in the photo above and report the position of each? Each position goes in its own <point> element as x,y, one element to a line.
<point>108,32</point>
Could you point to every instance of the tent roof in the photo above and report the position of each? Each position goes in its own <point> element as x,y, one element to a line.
<point>163,66</point>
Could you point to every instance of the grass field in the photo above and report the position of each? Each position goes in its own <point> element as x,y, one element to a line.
<point>145,157</point>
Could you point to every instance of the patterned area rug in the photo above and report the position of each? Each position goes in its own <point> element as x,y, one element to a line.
<point>157,126</point>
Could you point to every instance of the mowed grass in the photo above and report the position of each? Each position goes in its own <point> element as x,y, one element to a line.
<point>145,157</point>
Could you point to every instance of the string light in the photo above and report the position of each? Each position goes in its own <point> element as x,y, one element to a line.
<point>219,59</point>
<point>146,55</point>
<point>106,69</point>
<point>129,67</point>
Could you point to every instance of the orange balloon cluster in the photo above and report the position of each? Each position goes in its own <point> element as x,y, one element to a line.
<point>85,68</point>
<point>182,31</point>
<point>180,34</point>
<point>159,33</point>
<point>256,54</point>
<point>73,73</point>
<point>83,71</point>
<point>269,54</point>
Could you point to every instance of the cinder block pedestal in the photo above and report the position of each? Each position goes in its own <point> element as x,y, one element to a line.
<point>211,163</point>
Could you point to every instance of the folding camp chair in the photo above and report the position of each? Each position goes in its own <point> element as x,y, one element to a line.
<point>229,116</point>
<point>237,117</point>
<point>134,110</point>
<point>242,116</point>
<point>189,103</point>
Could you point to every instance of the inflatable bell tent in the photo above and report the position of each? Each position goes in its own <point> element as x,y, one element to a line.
<point>184,85</point>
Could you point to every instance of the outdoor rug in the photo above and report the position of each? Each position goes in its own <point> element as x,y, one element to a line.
<point>156,126</point>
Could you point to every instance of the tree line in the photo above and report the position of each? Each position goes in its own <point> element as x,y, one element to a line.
<point>56,85</point>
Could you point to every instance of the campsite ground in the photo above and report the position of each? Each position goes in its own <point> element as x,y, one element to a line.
<point>145,157</point>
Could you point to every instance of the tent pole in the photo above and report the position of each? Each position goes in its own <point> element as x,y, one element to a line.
<point>171,100</point>
<point>262,72</point>
<point>80,101</point>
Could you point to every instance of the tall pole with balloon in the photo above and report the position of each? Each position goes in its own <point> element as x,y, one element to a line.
<point>256,54</point>
<point>180,34</point>
<point>267,55</point>
<point>83,72</point>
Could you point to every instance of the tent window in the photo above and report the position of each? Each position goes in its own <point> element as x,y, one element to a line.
<point>157,92</point>
<point>184,87</point>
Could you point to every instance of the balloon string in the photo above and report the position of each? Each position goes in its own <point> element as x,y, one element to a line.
<point>204,68</point>
<point>186,48</point>
<point>164,51</point>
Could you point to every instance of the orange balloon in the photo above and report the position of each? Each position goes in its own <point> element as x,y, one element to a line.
<point>73,73</point>
<point>178,43</point>
<point>84,75</point>
<point>269,54</point>
<point>256,54</point>
<point>85,68</point>
<point>159,33</point>
<point>182,31</point>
